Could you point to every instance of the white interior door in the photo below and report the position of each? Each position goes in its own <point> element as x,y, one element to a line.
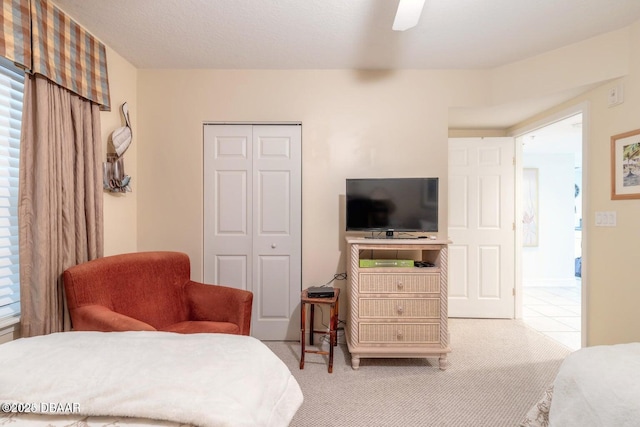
<point>277,225</point>
<point>252,220</point>
<point>481,227</point>
<point>228,204</point>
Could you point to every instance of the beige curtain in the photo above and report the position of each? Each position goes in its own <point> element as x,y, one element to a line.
<point>60,201</point>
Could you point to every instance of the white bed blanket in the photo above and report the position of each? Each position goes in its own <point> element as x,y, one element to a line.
<point>199,379</point>
<point>598,386</point>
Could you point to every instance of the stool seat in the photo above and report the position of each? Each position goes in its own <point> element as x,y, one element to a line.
<point>333,324</point>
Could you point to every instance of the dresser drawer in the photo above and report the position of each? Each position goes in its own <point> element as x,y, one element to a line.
<point>401,333</point>
<point>399,283</point>
<point>399,308</point>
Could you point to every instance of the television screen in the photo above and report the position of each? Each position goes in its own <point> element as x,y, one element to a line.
<point>392,204</point>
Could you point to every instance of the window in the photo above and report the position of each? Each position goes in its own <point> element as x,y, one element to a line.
<point>11,94</point>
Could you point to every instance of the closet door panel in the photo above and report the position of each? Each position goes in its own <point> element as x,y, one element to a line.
<point>253,220</point>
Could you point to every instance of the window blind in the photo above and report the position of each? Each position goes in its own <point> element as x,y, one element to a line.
<point>11,95</point>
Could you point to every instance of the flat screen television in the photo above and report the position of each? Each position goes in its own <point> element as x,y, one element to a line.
<point>392,204</point>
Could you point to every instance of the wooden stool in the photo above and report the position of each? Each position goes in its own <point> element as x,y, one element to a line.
<point>333,324</point>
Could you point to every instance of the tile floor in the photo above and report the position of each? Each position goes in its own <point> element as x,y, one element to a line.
<point>555,312</point>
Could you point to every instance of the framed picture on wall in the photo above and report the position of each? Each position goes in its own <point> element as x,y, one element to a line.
<point>625,165</point>
<point>530,207</point>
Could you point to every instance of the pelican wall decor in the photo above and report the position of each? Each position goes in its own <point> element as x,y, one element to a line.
<point>114,177</point>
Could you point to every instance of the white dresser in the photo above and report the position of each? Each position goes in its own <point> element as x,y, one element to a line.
<point>397,311</point>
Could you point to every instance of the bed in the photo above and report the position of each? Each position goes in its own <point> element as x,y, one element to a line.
<point>595,386</point>
<point>144,378</point>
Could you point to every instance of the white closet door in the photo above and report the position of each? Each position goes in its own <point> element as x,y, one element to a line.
<point>252,220</point>
<point>277,242</point>
<point>228,205</point>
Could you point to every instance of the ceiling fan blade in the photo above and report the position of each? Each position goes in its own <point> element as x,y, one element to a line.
<point>408,14</point>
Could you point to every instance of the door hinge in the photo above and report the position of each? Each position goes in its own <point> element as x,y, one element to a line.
<point>513,161</point>
<point>513,291</point>
<point>513,226</point>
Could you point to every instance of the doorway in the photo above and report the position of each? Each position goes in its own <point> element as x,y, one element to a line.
<point>551,207</point>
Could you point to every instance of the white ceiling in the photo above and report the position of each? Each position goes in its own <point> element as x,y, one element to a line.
<point>561,137</point>
<point>345,34</point>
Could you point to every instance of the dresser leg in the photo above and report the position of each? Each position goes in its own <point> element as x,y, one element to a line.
<point>443,362</point>
<point>355,362</point>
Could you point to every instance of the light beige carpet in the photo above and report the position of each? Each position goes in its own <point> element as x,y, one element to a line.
<point>497,370</point>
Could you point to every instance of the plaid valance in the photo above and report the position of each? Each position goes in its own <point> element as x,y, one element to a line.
<point>56,47</point>
<point>15,44</point>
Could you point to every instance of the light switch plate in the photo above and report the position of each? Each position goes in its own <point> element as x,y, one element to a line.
<point>606,218</point>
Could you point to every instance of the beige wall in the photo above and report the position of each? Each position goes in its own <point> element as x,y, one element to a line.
<point>120,210</point>
<point>354,124</point>
<point>364,124</point>
<point>578,65</point>
<point>611,259</point>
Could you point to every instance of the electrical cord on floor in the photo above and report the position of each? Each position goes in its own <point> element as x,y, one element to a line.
<point>340,322</point>
<point>341,340</point>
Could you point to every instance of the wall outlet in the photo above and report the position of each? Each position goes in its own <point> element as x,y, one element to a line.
<point>615,95</point>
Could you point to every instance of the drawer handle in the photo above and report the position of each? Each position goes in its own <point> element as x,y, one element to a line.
<point>400,309</point>
<point>400,285</point>
<point>399,335</point>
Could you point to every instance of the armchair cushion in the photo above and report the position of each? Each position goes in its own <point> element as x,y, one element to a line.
<point>100,318</point>
<point>152,291</point>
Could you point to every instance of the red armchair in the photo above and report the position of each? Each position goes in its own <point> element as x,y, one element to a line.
<point>150,291</point>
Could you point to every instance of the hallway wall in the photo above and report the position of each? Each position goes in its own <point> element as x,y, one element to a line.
<point>551,262</point>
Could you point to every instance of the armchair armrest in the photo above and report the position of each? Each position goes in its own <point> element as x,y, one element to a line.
<point>100,318</point>
<point>220,304</point>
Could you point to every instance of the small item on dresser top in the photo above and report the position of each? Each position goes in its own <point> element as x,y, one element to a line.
<point>371,263</point>
<point>320,292</point>
<point>424,264</point>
